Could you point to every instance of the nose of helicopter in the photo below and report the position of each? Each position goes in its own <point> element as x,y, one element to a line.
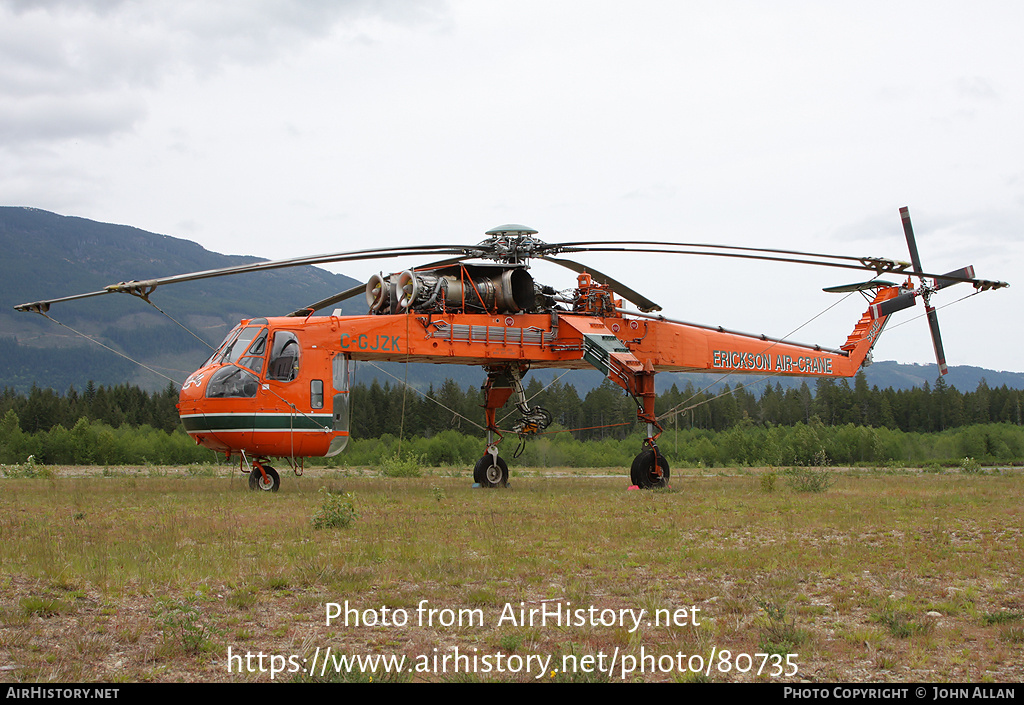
<point>193,388</point>
<point>189,398</point>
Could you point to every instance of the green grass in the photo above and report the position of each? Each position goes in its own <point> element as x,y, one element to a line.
<point>169,571</point>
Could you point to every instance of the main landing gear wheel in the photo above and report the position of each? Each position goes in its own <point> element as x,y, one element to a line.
<point>272,483</point>
<point>487,473</point>
<point>646,473</point>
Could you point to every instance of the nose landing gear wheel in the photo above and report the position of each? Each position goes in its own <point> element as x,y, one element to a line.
<point>487,473</point>
<point>272,483</point>
<point>647,473</point>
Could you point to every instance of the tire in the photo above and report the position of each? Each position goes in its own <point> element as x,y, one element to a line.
<point>271,484</point>
<point>487,474</point>
<point>644,473</point>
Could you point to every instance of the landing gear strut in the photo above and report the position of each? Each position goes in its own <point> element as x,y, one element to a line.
<point>502,382</point>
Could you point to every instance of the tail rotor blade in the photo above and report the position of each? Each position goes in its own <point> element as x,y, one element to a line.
<point>933,318</point>
<point>940,354</point>
<point>893,305</point>
<point>962,273</point>
<point>908,230</point>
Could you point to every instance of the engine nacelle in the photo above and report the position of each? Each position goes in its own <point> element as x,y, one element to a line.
<point>472,288</point>
<point>378,293</point>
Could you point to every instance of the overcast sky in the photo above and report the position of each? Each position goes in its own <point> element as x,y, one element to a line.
<point>279,128</point>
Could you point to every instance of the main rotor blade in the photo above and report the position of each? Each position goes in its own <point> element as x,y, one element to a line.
<point>324,303</point>
<point>145,287</point>
<point>711,246</point>
<point>359,289</point>
<point>878,265</point>
<point>352,256</point>
<point>873,264</point>
<point>636,298</point>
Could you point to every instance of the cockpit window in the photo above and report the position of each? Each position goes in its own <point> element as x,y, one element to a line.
<point>237,343</point>
<point>284,357</point>
<point>232,381</point>
<point>254,355</point>
<point>234,351</point>
<point>228,339</point>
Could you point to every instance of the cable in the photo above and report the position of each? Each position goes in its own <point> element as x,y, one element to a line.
<point>425,396</point>
<point>107,347</point>
<point>543,389</point>
<point>146,299</point>
<point>936,308</point>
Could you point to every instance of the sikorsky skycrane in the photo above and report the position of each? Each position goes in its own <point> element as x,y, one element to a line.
<point>277,387</point>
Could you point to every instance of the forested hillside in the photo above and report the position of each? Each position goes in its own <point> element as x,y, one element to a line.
<point>48,255</point>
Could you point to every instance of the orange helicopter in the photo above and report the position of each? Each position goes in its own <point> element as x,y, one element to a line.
<point>278,387</point>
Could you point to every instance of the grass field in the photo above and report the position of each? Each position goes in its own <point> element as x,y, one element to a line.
<point>153,574</point>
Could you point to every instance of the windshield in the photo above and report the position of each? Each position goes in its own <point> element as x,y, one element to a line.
<point>228,339</point>
<point>237,343</point>
<point>232,381</point>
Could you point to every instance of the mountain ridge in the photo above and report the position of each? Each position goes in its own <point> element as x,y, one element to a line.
<point>48,255</point>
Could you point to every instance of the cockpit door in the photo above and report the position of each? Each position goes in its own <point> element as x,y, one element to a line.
<point>340,411</point>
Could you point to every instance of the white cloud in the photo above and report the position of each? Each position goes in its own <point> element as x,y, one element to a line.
<point>62,58</point>
<point>285,128</point>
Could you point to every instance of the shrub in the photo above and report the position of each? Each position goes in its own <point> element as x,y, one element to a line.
<point>337,510</point>
<point>183,623</point>
<point>396,465</point>
<point>811,479</point>
<point>901,623</point>
<point>970,466</point>
<point>778,635</point>
<point>44,607</point>
<point>29,469</point>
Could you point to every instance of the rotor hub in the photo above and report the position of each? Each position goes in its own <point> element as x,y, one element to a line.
<point>511,244</point>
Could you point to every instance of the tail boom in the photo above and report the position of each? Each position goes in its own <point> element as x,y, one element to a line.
<point>676,346</point>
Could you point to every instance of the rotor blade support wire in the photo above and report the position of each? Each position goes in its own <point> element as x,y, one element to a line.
<point>107,347</point>
<point>936,308</point>
<point>405,386</point>
<point>425,396</point>
<point>178,323</point>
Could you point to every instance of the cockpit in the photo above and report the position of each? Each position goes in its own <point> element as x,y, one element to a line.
<point>242,360</point>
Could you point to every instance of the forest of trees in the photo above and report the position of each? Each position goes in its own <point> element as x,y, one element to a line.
<point>847,423</point>
<point>606,411</point>
<point>43,409</point>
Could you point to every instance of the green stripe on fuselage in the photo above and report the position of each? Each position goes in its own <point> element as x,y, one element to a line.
<point>256,422</point>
